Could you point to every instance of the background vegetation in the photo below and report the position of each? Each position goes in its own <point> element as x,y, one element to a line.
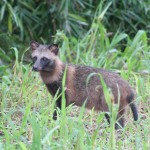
<point>106,34</point>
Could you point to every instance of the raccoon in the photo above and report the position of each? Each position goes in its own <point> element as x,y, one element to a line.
<point>51,69</point>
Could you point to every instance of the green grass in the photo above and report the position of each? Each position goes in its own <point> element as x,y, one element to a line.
<point>26,107</point>
<point>26,119</point>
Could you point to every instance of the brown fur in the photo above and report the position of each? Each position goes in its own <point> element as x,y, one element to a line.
<point>93,93</point>
<point>78,90</point>
<point>70,89</point>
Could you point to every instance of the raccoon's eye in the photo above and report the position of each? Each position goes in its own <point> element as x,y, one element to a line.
<point>44,59</point>
<point>34,59</point>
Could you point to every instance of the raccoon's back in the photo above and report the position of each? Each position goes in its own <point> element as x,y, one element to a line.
<point>89,75</point>
<point>88,86</point>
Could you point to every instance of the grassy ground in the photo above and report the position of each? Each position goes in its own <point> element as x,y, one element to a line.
<point>26,106</point>
<point>26,118</point>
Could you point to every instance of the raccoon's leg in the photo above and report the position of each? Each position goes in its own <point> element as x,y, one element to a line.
<point>107,117</point>
<point>121,123</point>
<point>55,115</point>
<point>120,119</point>
<point>58,104</point>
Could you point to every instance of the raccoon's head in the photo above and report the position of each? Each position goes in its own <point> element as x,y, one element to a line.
<point>44,56</point>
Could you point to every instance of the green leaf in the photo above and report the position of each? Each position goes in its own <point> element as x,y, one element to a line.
<point>46,138</point>
<point>10,24</point>
<point>23,146</point>
<point>78,19</point>
<point>2,12</point>
<point>117,38</point>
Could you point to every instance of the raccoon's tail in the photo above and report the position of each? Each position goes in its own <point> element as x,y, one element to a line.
<point>130,99</point>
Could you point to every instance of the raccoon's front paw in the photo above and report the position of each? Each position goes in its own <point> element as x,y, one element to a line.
<point>55,115</point>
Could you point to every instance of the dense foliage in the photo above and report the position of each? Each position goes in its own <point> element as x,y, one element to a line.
<point>41,19</point>
<point>111,34</point>
<point>22,21</point>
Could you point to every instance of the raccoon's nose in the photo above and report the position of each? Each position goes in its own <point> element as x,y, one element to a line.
<point>35,68</point>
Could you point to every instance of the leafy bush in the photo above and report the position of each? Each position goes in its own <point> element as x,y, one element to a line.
<point>96,42</point>
<point>128,16</point>
<point>40,19</point>
<point>35,19</point>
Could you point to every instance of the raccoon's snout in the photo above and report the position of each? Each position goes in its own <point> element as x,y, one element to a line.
<point>35,68</point>
<point>44,65</point>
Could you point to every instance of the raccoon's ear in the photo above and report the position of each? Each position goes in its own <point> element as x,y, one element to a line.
<point>34,45</point>
<point>53,48</point>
